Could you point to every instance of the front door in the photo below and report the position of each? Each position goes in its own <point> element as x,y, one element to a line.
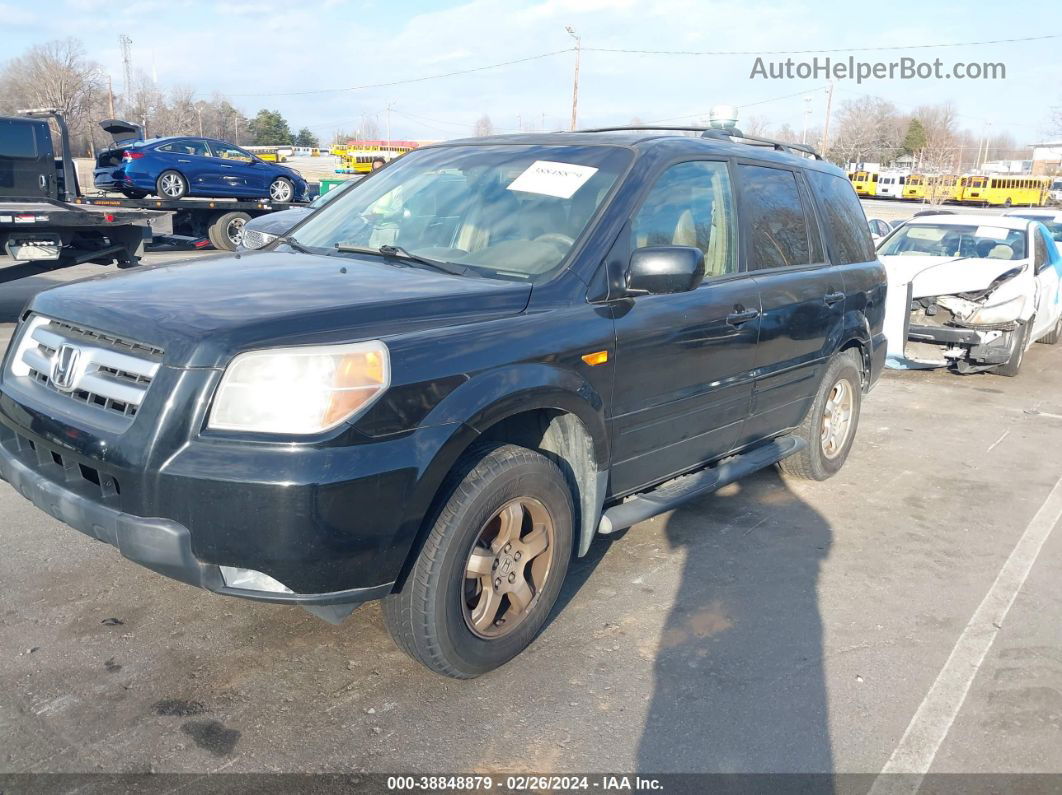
<point>1047,262</point>
<point>237,173</point>
<point>802,297</point>
<point>684,361</point>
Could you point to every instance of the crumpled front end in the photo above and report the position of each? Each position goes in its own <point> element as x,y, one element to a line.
<point>968,330</point>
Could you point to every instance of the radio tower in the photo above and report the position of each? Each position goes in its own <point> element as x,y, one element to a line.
<point>126,44</point>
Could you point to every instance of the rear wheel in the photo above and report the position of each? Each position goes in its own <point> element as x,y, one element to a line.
<point>830,425</point>
<point>492,567</point>
<point>134,194</point>
<point>171,185</point>
<point>226,232</point>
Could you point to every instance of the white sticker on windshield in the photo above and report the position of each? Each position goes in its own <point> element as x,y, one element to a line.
<point>992,232</point>
<point>553,179</point>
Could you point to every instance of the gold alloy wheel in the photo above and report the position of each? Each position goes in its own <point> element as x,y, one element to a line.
<point>510,562</point>
<point>837,418</point>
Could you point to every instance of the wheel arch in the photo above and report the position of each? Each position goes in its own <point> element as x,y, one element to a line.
<point>544,415</point>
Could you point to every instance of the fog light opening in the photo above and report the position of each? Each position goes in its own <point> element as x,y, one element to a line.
<point>251,580</point>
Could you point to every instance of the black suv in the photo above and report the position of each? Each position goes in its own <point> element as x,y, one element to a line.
<point>438,388</point>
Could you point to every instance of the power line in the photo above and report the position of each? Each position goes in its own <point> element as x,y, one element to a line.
<point>823,51</point>
<point>411,79</point>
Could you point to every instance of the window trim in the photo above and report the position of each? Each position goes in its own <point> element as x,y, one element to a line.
<point>804,200</point>
<point>736,226</point>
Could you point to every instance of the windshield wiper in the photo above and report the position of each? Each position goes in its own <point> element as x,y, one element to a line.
<point>293,244</point>
<point>399,253</point>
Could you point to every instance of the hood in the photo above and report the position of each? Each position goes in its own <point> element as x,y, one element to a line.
<point>203,311</point>
<point>278,223</point>
<point>931,276</point>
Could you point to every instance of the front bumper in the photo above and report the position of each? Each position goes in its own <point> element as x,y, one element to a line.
<point>942,345</point>
<point>159,544</point>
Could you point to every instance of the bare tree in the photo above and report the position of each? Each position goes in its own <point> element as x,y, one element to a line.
<point>56,74</point>
<point>483,127</point>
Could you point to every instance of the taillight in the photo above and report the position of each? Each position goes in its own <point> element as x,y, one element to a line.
<point>129,155</point>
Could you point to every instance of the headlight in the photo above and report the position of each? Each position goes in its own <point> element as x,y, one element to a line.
<point>300,390</point>
<point>253,239</point>
<point>1004,312</point>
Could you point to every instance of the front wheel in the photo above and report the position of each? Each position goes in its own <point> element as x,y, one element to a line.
<point>1052,337</point>
<point>492,566</point>
<point>1017,354</point>
<point>830,425</point>
<point>281,190</point>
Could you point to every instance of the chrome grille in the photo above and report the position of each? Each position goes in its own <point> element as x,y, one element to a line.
<point>101,370</point>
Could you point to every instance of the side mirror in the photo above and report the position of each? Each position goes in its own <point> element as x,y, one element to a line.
<point>665,269</point>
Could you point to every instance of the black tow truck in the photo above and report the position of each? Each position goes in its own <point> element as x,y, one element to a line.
<point>40,217</point>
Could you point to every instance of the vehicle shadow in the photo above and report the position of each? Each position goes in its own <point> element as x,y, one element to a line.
<point>738,675</point>
<point>18,284</point>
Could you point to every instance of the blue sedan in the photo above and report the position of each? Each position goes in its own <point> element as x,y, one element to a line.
<point>180,166</point>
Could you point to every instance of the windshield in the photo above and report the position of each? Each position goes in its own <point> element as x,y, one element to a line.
<point>503,211</point>
<point>952,240</point>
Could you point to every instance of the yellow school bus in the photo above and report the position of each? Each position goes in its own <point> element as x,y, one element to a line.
<point>865,182</point>
<point>915,188</point>
<point>1005,191</point>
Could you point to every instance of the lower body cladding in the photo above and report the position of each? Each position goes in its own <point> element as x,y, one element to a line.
<point>324,546</point>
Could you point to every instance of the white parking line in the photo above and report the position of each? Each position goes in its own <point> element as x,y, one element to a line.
<point>930,725</point>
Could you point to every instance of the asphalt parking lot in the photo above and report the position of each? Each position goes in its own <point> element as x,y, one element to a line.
<point>777,625</point>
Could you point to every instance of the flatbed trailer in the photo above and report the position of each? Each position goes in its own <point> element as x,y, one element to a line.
<point>218,220</point>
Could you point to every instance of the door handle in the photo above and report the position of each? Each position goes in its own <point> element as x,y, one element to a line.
<point>833,298</point>
<point>739,316</point>
<point>179,160</point>
<point>226,166</point>
<point>42,180</point>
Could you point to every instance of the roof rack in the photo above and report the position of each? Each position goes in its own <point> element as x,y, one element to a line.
<point>728,134</point>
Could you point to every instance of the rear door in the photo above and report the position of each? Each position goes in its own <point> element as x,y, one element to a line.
<point>1047,262</point>
<point>802,298</point>
<point>683,361</point>
<point>27,163</point>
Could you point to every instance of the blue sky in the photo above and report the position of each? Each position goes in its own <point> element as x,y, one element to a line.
<point>251,48</point>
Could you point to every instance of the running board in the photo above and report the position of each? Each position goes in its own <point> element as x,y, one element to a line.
<point>672,493</point>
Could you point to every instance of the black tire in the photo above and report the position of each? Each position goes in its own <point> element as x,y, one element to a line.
<point>1054,335</point>
<point>1008,202</point>
<point>226,230</point>
<point>134,194</point>
<point>428,618</point>
<point>815,462</point>
<point>1013,365</point>
<point>281,187</point>
<point>171,185</point>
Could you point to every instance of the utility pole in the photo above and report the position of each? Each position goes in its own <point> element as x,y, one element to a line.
<point>110,96</point>
<point>575,82</point>
<point>199,112</point>
<point>388,114</point>
<point>807,115</point>
<point>126,45</point>
<point>826,122</point>
<point>236,124</point>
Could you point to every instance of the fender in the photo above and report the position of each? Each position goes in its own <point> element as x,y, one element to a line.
<point>502,392</point>
<point>472,409</point>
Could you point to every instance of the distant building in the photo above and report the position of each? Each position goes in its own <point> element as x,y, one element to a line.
<point>1047,158</point>
<point>1007,167</point>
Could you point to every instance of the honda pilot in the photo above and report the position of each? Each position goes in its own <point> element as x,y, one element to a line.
<point>439,388</point>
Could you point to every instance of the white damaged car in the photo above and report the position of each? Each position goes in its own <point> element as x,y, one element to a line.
<point>970,292</point>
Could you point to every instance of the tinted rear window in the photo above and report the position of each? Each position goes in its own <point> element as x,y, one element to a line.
<point>17,139</point>
<point>846,224</point>
<point>775,222</point>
